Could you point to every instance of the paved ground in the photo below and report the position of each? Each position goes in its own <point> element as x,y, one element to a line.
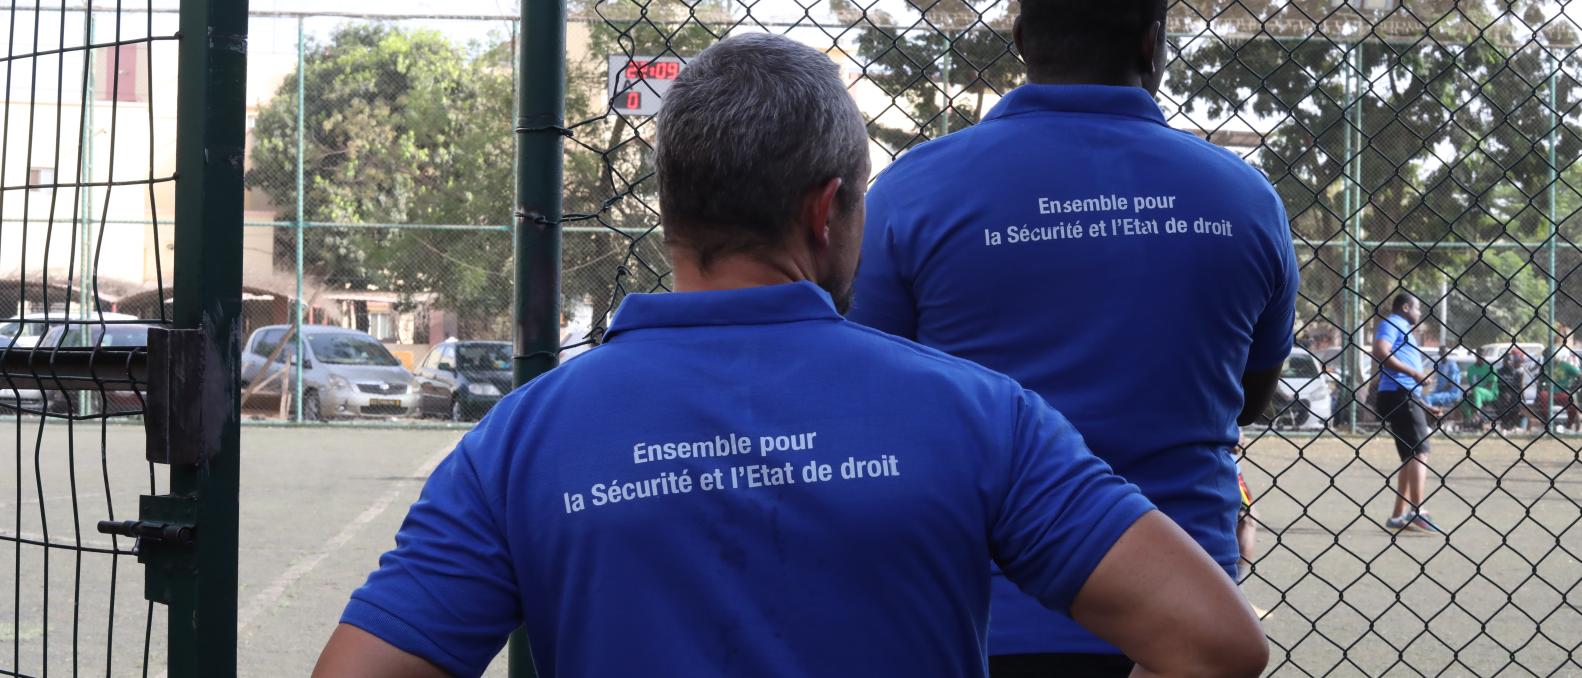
<point>1346,597</point>
<point>319,505</point>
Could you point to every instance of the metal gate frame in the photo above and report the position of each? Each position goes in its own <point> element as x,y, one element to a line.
<point>198,581</point>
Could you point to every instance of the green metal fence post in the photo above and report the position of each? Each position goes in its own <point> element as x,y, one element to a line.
<point>296,396</point>
<point>540,122</point>
<point>1353,207</point>
<point>1554,238</point>
<point>541,98</point>
<point>208,295</point>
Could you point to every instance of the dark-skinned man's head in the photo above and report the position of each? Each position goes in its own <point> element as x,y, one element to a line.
<point>1093,42</point>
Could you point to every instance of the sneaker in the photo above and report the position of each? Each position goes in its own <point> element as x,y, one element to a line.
<point>1401,522</point>
<point>1422,522</point>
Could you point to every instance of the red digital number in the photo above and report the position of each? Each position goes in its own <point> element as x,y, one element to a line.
<point>634,100</point>
<point>651,70</point>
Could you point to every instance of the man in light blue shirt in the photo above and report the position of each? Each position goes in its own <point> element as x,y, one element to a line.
<point>801,496</point>
<point>1140,279</point>
<point>1447,392</point>
<point>1401,378</point>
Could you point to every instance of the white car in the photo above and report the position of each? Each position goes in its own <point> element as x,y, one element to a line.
<point>1304,398</point>
<point>18,335</point>
<point>1497,353</point>
<point>24,331</point>
<point>1494,353</point>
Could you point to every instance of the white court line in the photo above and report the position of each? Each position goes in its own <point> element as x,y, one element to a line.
<point>305,565</point>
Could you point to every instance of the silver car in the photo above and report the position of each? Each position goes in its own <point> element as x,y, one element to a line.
<point>345,373</point>
<point>31,335</point>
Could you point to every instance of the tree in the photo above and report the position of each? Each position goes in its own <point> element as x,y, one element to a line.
<point>951,52</point>
<point>1426,127</point>
<point>402,127</point>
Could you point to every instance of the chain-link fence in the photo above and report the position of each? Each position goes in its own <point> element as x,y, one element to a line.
<point>1421,146</point>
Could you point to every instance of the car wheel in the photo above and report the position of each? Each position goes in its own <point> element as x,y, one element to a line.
<point>311,410</point>
<point>1276,413</point>
<point>1285,413</point>
<point>455,410</point>
<point>1300,413</point>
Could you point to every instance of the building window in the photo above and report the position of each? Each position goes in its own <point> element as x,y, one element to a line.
<point>41,179</point>
<point>382,326</point>
<point>118,74</point>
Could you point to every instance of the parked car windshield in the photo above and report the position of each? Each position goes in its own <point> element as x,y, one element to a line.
<point>113,335</point>
<point>13,330</point>
<point>483,357</point>
<point>350,349</point>
<point>1301,367</point>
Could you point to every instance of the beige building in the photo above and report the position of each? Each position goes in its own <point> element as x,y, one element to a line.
<point>87,188</point>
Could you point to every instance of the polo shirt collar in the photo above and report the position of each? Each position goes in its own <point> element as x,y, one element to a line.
<point>1132,102</point>
<point>768,305</point>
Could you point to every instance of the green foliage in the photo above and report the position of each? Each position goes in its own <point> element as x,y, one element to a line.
<point>1438,136</point>
<point>401,127</point>
<point>939,68</point>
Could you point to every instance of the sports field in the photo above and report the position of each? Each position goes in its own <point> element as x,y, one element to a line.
<point>1345,597</point>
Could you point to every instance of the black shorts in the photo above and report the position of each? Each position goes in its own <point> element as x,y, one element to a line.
<point>1060,665</point>
<point>1407,420</point>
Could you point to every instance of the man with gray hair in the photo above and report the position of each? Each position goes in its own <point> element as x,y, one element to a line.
<point>810,498</point>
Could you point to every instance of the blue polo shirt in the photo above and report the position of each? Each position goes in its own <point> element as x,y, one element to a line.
<point>1397,331</point>
<point>1127,272</point>
<point>1449,377</point>
<point>743,483</point>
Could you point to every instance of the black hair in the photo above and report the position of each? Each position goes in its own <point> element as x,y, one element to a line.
<point>1067,37</point>
<point>1402,300</point>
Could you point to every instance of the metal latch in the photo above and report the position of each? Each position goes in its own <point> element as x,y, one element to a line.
<point>148,530</point>
<point>165,537</point>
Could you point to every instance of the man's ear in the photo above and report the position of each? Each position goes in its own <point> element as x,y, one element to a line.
<point>818,210</point>
<point>1016,37</point>
<point>1152,49</point>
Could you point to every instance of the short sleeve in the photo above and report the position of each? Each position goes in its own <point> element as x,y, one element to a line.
<point>1063,508</point>
<point>1387,332</point>
<point>446,593</point>
<point>883,298</point>
<point>1274,333</point>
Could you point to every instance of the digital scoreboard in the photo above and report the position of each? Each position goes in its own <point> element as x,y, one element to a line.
<point>638,83</point>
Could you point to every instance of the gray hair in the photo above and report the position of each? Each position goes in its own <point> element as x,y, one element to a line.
<point>750,126</point>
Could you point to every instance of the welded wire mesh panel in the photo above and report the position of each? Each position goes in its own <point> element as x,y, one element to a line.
<point>87,152</point>
<point>1427,147</point>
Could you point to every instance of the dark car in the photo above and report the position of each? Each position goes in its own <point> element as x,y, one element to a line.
<point>83,336</point>
<point>461,380</point>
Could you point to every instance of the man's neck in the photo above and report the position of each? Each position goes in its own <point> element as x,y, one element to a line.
<point>1128,80</point>
<point>733,272</point>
